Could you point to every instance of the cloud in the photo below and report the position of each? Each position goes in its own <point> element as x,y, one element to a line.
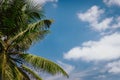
<point>107,48</point>
<point>94,17</point>
<point>101,76</point>
<point>68,68</point>
<point>91,15</point>
<point>103,25</point>
<point>114,67</point>
<point>117,25</point>
<point>112,2</point>
<point>42,2</point>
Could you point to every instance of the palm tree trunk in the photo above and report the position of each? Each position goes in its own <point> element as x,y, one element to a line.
<point>2,66</point>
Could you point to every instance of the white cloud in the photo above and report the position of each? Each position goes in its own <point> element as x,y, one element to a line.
<point>92,16</point>
<point>103,25</point>
<point>68,68</point>
<point>100,77</point>
<point>107,48</point>
<point>56,77</point>
<point>117,25</point>
<point>114,67</point>
<point>42,2</point>
<point>112,2</point>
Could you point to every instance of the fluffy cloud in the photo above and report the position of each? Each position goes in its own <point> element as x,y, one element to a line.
<point>117,25</point>
<point>68,68</point>
<point>42,2</point>
<point>107,48</point>
<point>93,17</point>
<point>112,2</point>
<point>101,76</point>
<point>103,25</point>
<point>114,67</point>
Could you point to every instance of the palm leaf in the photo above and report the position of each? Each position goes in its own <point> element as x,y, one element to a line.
<point>34,10</point>
<point>34,26</point>
<point>6,69</point>
<point>34,32</point>
<point>42,63</point>
<point>25,68</point>
<point>2,45</point>
<point>24,74</point>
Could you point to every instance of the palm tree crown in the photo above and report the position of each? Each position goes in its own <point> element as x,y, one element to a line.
<point>21,24</point>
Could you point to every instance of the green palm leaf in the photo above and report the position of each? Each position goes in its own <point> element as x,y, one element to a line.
<point>9,70</point>
<point>31,72</point>
<point>33,33</point>
<point>40,25</point>
<point>42,63</point>
<point>2,45</point>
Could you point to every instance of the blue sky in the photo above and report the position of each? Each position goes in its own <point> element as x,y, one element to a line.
<point>84,38</point>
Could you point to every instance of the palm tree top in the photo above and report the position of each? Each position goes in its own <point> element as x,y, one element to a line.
<point>22,24</point>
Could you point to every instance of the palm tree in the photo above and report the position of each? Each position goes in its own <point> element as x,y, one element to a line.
<point>22,24</point>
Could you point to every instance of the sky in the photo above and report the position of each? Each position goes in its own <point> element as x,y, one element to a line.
<point>84,38</point>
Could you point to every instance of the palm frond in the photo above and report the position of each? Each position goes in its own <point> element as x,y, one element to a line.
<point>24,74</point>
<point>18,16</point>
<point>2,45</point>
<point>33,26</point>
<point>34,10</point>
<point>44,64</point>
<point>35,31</point>
<point>6,69</point>
<point>18,72</point>
<point>8,20</point>
<point>9,70</point>
<point>25,68</point>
